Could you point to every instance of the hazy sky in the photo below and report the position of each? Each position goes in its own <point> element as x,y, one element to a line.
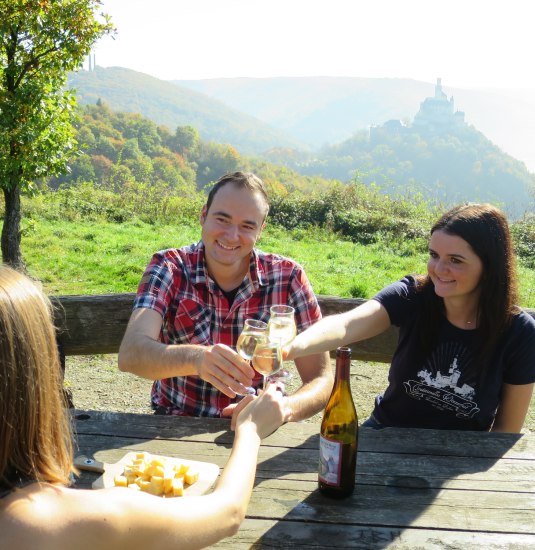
<point>469,43</point>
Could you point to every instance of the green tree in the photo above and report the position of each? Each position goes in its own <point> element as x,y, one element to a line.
<point>40,42</point>
<point>186,142</point>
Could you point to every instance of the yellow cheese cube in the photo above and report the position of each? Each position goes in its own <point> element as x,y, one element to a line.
<point>191,476</point>
<point>120,481</point>
<point>130,479</point>
<point>143,455</point>
<point>178,487</point>
<point>181,468</point>
<point>157,485</point>
<point>145,486</point>
<point>168,485</point>
<point>158,462</point>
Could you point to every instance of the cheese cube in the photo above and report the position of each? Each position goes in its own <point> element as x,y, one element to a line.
<point>120,481</point>
<point>191,476</point>
<point>178,487</point>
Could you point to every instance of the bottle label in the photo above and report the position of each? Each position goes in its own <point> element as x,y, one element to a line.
<point>330,461</point>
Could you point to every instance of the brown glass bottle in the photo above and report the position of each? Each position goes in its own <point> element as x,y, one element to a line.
<point>339,434</point>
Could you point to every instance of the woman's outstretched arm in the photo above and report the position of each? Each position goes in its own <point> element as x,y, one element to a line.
<point>116,518</point>
<point>360,323</point>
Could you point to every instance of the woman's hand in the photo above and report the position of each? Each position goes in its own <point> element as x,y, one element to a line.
<point>265,413</point>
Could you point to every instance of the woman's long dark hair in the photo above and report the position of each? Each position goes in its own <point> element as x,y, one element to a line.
<point>485,228</point>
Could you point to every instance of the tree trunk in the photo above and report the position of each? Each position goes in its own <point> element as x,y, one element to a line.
<point>11,230</point>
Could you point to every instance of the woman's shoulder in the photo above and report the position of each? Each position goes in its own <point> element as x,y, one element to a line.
<point>408,287</point>
<point>523,322</point>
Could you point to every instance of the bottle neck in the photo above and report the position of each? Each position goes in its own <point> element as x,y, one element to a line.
<point>343,365</point>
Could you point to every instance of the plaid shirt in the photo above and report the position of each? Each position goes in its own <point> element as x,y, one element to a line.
<point>195,311</point>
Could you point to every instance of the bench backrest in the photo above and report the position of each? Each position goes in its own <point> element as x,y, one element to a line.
<point>91,325</point>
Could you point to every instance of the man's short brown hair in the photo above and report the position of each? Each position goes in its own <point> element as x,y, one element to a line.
<point>242,180</point>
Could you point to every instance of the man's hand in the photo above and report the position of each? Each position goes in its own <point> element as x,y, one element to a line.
<point>225,370</point>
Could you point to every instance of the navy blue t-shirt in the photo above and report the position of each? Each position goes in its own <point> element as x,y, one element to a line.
<point>437,390</point>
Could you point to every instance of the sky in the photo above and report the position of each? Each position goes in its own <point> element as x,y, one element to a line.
<point>468,43</point>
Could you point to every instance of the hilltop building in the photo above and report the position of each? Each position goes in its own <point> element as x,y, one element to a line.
<point>91,62</point>
<point>436,114</point>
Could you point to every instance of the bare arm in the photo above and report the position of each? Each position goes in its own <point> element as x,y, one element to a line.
<point>120,518</point>
<point>514,404</point>
<point>360,323</point>
<point>317,383</point>
<point>141,353</point>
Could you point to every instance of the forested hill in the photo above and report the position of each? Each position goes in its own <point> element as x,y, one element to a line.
<point>450,166</point>
<point>121,151</point>
<point>171,105</point>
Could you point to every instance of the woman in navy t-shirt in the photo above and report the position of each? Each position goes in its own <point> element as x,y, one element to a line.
<point>466,353</point>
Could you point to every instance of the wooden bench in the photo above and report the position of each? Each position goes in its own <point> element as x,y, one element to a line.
<point>92,325</point>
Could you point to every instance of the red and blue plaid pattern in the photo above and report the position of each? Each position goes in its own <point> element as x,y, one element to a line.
<point>195,311</point>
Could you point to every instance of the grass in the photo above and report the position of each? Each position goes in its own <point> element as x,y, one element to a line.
<point>83,257</point>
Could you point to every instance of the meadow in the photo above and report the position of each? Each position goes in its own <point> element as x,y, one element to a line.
<point>99,257</point>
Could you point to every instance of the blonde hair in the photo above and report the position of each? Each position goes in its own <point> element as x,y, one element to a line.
<point>35,430</point>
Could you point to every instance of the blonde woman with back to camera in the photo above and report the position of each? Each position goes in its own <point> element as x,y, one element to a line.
<point>37,507</point>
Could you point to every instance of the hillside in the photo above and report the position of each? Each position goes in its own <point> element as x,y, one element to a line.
<point>448,164</point>
<point>327,110</point>
<point>171,105</point>
<point>452,166</point>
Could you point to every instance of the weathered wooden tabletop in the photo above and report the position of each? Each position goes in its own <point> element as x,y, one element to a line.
<point>415,488</point>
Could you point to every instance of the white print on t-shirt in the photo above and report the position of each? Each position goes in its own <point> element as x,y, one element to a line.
<point>443,391</point>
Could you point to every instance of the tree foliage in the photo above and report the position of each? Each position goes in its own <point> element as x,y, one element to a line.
<point>40,43</point>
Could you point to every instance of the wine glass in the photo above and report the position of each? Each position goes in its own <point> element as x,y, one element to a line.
<point>281,327</point>
<point>282,330</point>
<point>267,359</point>
<point>253,333</point>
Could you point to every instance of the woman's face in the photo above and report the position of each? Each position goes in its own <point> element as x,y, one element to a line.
<point>453,266</point>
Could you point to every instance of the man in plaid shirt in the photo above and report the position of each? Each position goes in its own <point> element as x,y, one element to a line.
<point>192,302</point>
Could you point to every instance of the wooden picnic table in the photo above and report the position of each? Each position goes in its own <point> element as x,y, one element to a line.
<point>415,488</point>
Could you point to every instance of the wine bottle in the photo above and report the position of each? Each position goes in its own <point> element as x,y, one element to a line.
<point>339,434</point>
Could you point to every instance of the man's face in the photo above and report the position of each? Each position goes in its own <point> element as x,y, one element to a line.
<point>231,227</point>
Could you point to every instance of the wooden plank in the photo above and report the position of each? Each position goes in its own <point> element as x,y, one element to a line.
<point>480,511</point>
<point>96,324</point>
<point>305,435</point>
<point>380,469</point>
<point>92,324</point>
<point>260,533</point>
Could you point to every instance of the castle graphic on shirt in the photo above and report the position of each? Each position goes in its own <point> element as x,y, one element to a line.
<point>442,390</point>
<point>450,381</point>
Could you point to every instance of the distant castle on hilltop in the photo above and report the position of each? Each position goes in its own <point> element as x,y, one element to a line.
<point>436,113</point>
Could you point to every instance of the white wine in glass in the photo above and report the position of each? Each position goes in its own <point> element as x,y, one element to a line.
<point>267,359</point>
<point>253,333</point>
<point>281,325</point>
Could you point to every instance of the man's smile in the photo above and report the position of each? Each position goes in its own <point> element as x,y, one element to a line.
<point>225,247</point>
